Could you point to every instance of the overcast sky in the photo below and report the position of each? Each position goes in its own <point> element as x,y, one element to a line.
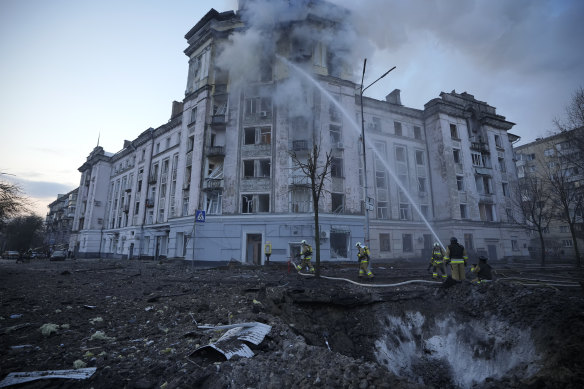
<point>75,70</point>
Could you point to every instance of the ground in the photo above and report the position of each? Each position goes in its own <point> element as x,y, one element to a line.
<point>139,323</point>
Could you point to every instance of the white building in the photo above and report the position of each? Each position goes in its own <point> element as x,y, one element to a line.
<point>226,150</point>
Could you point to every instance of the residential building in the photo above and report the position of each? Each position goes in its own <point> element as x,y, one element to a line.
<point>559,157</point>
<point>59,220</point>
<point>226,151</point>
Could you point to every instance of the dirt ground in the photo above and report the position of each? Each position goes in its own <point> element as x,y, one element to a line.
<point>139,324</point>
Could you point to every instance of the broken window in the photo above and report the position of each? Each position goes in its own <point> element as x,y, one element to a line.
<point>263,202</point>
<point>421,184</point>
<point>247,204</point>
<point>338,202</point>
<point>257,135</point>
<point>382,209</point>
<point>453,131</point>
<point>335,135</point>
<point>339,243</point>
<point>264,168</point>
<point>185,206</point>
<point>505,187</point>
<point>301,200</point>
<point>249,136</point>
<point>337,167</point>
<point>456,155</point>
<point>214,202</point>
<point>248,168</point>
<point>407,243</point>
<point>319,56</point>
<point>424,209</point>
<point>380,179</point>
<point>483,184</point>
<point>384,243</point>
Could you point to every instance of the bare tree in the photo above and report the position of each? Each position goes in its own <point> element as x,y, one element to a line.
<point>572,126</point>
<point>12,201</point>
<point>567,195</point>
<point>536,207</point>
<point>317,169</point>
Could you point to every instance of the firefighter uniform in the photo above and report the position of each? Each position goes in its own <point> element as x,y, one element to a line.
<point>306,254</point>
<point>437,262</point>
<point>363,257</point>
<point>456,255</point>
<point>482,270</point>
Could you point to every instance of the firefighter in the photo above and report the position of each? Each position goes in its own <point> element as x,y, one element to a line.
<point>363,258</point>
<point>456,255</point>
<point>306,254</point>
<point>483,270</point>
<point>437,262</point>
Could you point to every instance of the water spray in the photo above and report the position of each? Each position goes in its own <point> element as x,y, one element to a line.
<point>356,127</point>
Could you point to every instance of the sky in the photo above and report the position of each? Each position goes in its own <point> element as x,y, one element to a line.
<point>77,72</point>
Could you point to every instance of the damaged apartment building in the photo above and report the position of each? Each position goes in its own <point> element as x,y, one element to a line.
<point>257,92</point>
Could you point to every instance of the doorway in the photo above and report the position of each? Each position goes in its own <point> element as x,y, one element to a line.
<point>492,249</point>
<point>253,249</point>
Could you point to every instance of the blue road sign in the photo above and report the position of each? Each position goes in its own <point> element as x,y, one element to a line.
<point>199,216</point>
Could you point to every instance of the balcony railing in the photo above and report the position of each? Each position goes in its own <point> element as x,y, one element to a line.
<point>216,151</point>
<point>219,120</point>
<point>480,146</point>
<point>300,181</point>
<point>213,183</point>
<point>298,145</point>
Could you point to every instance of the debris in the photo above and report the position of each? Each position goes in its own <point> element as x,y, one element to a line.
<point>8,330</point>
<point>233,341</point>
<point>100,335</point>
<point>79,364</point>
<point>49,329</point>
<point>90,306</point>
<point>96,320</point>
<point>16,316</point>
<point>20,377</point>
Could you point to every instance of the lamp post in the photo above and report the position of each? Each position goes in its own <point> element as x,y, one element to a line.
<point>364,157</point>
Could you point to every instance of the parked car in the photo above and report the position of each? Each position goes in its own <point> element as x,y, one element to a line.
<point>58,255</point>
<point>37,255</point>
<point>10,255</point>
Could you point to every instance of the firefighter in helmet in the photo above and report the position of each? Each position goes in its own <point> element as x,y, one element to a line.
<point>306,254</point>
<point>363,258</point>
<point>456,255</point>
<point>482,270</point>
<point>437,262</point>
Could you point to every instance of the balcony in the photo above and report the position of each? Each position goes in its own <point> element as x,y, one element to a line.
<point>152,179</point>
<point>218,120</point>
<point>299,145</point>
<point>213,184</point>
<point>300,181</point>
<point>480,147</point>
<point>216,151</point>
<point>149,203</point>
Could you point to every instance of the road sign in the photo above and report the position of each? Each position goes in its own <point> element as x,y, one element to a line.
<point>200,216</point>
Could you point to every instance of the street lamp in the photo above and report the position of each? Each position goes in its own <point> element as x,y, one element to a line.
<point>364,157</point>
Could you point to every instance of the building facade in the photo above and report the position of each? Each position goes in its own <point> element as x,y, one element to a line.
<point>59,221</point>
<point>560,157</point>
<point>434,173</point>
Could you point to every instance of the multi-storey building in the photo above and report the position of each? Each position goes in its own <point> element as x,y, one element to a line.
<point>560,157</point>
<point>59,220</point>
<point>433,173</point>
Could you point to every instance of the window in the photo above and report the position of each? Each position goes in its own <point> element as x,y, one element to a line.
<point>421,184</point>
<point>185,206</point>
<point>549,152</point>
<point>498,142</point>
<point>476,159</point>
<point>407,243</point>
<point>487,212</point>
<point>248,168</point>
<point>514,245</point>
<point>453,131</point>
<point>193,115</point>
<point>483,184</point>
<point>456,155</point>
<point>424,209</point>
<point>214,202</point>
<point>404,212</point>
<point>564,229</point>
<point>384,243</point>
<point>335,135</point>
<point>567,243</point>
<point>400,154</point>
<point>545,230</point>
<point>460,183</point>
<point>502,165</point>
<point>190,144</point>
<point>417,132</point>
<point>397,126</point>
<point>380,179</point>
<point>338,202</point>
<point>337,167</point>
<point>420,160</point>
<point>509,214</point>
<point>375,124</point>
<point>382,210</point>
<point>505,187</point>
<point>463,213</point>
<point>257,135</point>
<point>263,202</point>
<point>247,204</point>
<point>264,168</point>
